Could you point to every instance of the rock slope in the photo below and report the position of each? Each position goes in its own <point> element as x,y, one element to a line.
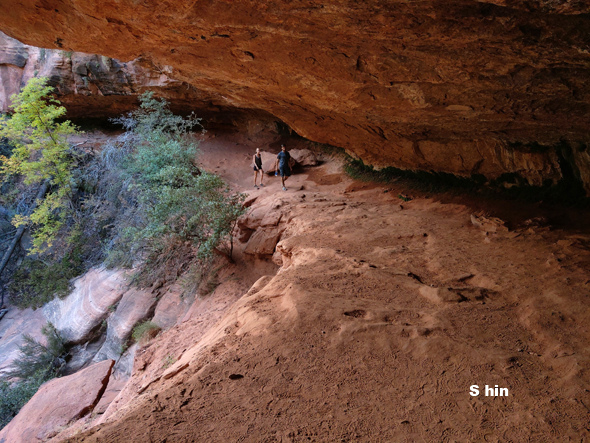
<point>58,403</point>
<point>379,320</point>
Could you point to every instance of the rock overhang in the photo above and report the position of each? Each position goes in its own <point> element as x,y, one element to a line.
<point>455,86</point>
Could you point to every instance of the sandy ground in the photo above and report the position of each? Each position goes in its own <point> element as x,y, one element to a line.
<point>382,316</point>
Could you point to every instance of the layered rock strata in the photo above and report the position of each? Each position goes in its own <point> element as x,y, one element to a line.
<point>488,87</point>
<point>92,86</point>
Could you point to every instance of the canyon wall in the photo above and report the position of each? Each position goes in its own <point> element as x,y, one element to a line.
<point>89,85</point>
<point>495,88</point>
<point>95,86</point>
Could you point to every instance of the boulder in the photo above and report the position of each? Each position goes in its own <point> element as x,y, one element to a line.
<point>262,216</point>
<point>269,161</point>
<point>135,306</point>
<point>13,326</point>
<point>95,294</point>
<point>58,403</point>
<point>488,224</point>
<point>263,241</point>
<point>304,157</point>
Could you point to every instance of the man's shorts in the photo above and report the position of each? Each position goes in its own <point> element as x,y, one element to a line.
<point>285,171</point>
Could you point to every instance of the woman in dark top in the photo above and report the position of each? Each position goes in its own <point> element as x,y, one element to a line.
<point>282,164</point>
<point>258,167</point>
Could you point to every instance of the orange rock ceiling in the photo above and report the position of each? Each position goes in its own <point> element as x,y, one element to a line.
<point>459,86</point>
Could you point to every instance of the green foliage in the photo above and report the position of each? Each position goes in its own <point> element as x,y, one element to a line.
<point>41,152</point>
<point>144,330</point>
<point>37,358</point>
<point>36,364</point>
<point>37,281</point>
<point>174,202</point>
<point>5,148</point>
<point>201,279</point>
<point>13,396</point>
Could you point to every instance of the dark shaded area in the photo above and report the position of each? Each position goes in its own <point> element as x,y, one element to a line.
<point>563,205</point>
<point>213,118</point>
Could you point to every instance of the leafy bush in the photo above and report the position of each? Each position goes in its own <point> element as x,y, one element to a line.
<point>173,209</point>
<point>45,360</point>
<point>13,396</point>
<point>37,364</point>
<point>143,201</point>
<point>37,281</point>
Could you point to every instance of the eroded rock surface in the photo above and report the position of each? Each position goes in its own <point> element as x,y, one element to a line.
<point>94,297</point>
<point>12,327</point>
<point>171,307</point>
<point>374,328</point>
<point>135,305</point>
<point>93,86</point>
<point>466,87</point>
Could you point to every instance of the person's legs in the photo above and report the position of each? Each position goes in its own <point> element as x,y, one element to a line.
<point>261,177</point>
<point>283,177</point>
<point>255,176</point>
<point>285,173</point>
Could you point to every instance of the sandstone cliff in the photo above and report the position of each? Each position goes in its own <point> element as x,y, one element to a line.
<point>379,319</point>
<point>373,326</point>
<point>94,86</point>
<point>462,86</point>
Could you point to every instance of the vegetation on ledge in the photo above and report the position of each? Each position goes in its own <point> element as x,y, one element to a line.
<point>142,202</point>
<point>36,364</point>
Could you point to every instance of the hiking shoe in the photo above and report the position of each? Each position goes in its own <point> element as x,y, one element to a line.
<point>284,189</point>
<point>261,185</point>
<point>256,186</point>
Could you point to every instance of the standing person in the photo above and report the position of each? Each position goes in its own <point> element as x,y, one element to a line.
<point>258,167</point>
<point>282,164</point>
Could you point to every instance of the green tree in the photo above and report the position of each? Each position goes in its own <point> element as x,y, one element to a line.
<point>36,364</point>
<point>37,358</point>
<point>176,202</point>
<point>13,396</point>
<point>41,154</point>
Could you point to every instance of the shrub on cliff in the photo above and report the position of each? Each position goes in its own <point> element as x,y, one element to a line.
<point>173,211</point>
<point>37,281</point>
<point>39,359</point>
<point>38,166</point>
<point>13,396</point>
<point>144,330</point>
<point>36,364</point>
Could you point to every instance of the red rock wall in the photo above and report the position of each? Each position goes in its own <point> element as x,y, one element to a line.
<point>94,86</point>
<point>460,86</point>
